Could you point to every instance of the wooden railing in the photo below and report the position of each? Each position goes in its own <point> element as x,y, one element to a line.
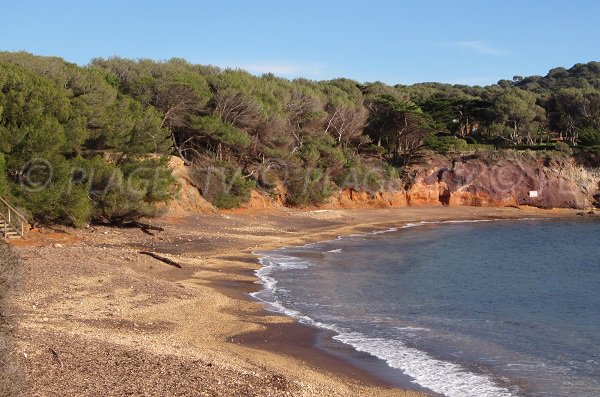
<point>13,220</point>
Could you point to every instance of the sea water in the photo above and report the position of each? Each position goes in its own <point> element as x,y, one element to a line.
<point>477,308</point>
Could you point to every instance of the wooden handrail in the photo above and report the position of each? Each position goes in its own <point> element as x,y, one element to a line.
<point>9,218</point>
<point>14,210</point>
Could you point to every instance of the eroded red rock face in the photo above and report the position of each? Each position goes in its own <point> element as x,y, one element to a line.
<point>350,198</point>
<point>486,181</point>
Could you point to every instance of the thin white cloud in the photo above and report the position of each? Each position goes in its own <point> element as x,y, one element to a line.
<point>480,47</point>
<point>284,69</point>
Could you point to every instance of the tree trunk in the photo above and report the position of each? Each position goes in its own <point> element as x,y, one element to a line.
<point>179,151</point>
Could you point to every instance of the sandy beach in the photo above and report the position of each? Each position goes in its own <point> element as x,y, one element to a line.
<point>97,317</point>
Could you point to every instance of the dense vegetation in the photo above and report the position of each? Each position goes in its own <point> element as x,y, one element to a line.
<point>106,129</point>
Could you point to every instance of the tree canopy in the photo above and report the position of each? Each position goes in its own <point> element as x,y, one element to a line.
<point>71,137</point>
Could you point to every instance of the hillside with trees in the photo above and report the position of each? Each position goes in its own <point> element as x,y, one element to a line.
<point>81,144</point>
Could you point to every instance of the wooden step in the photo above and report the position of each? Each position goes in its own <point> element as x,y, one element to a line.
<point>10,232</point>
<point>13,229</point>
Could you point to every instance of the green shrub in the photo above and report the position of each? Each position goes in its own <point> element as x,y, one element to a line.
<point>376,150</point>
<point>445,144</point>
<point>223,185</point>
<point>46,192</point>
<point>267,178</point>
<point>83,190</point>
<point>222,132</point>
<point>58,203</point>
<point>311,186</point>
<point>480,147</point>
<point>595,149</point>
<point>3,182</point>
<point>589,137</point>
<point>228,201</point>
<point>360,177</point>
<point>563,147</point>
<point>536,148</point>
<point>130,190</point>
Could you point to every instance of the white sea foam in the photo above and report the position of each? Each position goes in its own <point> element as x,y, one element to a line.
<point>442,377</point>
<point>335,251</point>
<point>447,378</point>
<point>392,229</point>
<point>412,329</point>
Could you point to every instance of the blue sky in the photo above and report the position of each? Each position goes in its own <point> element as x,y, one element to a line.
<point>454,41</point>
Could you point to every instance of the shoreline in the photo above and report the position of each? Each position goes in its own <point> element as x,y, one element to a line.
<point>302,341</point>
<point>201,312</point>
<point>393,377</point>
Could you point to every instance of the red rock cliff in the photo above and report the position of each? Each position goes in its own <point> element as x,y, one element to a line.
<point>503,180</point>
<point>495,180</point>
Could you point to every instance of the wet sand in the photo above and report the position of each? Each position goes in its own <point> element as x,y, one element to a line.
<point>96,317</point>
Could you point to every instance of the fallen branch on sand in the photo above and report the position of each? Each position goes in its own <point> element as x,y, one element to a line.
<point>55,356</point>
<point>146,227</point>
<point>162,259</point>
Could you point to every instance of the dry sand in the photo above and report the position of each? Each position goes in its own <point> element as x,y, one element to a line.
<point>97,318</point>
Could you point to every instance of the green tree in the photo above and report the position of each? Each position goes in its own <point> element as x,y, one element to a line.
<point>460,115</point>
<point>517,112</point>
<point>589,136</point>
<point>401,124</point>
<point>574,109</point>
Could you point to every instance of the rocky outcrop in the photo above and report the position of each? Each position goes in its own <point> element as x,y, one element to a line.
<point>349,198</point>
<point>261,201</point>
<point>506,180</point>
<point>489,180</point>
<point>188,199</point>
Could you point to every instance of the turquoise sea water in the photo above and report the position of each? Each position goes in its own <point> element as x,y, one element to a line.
<point>494,308</point>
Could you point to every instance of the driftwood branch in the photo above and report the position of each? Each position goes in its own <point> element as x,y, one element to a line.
<point>145,227</point>
<point>162,259</point>
<point>55,356</point>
